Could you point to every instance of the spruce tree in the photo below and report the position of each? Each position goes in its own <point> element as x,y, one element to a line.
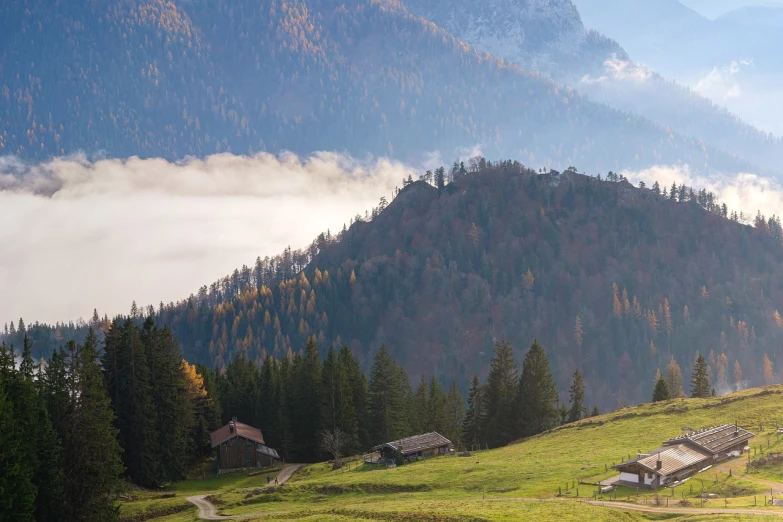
<point>127,377</point>
<point>354,400</point>
<point>595,412</point>
<point>387,396</point>
<point>501,396</point>
<point>661,391</point>
<point>700,380</point>
<point>306,407</point>
<point>436,407</point>
<point>577,397</point>
<point>91,451</point>
<point>175,411</point>
<point>17,488</point>
<point>331,391</point>
<point>421,418</point>
<point>475,418</point>
<point>454,414</point>
<point>40,446</point>
<point>537,398</point>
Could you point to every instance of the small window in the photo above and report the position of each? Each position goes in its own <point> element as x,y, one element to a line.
<point>248,447</point>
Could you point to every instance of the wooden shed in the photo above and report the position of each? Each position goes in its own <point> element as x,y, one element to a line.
<point>416,447</point>
<point>240,447</point>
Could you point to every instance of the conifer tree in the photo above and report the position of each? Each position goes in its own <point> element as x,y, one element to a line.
<point>127,377</point>
<point>661,391</point>
<point>436,407</point>
<point>454,413</point>
<point>700,381</point>
<point>306,401</point>
<point>174,408</point>
<point>40,448</point>
<point>387,397</point>
<point>331,392</point>
<point>538,396</point>
<point>475,417</point>
<point>17,488</point>
<point>421,420</point>
<point>596,412</point>
<point>577,397</point>
<point>500,396</point>
<point>354,402</point>
<point>674,379</point>
<point>91,450</point>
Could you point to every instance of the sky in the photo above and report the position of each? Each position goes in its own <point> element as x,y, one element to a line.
<point>80,235</point>
<point>714,8</point>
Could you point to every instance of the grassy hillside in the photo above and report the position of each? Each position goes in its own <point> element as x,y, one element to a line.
<point>522,479</point>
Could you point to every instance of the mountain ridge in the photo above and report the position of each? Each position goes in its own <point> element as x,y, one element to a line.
<point>505,252</point>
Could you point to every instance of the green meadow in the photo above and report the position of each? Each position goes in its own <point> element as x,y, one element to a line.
<point>548,477</point>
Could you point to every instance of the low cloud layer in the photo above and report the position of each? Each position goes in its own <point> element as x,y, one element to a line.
<point>80,235</point>
<point>745,192</point>
<point>616,70</point>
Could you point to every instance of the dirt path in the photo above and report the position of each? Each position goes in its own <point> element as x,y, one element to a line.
<point>208,511</point>
<point>624,506</point>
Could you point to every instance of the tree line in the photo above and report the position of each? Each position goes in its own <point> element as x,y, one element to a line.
<point>512,405</point>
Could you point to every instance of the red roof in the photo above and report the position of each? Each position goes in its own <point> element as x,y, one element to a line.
<point>223,434</point>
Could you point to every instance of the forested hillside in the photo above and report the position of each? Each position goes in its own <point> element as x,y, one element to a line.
<point>613,280</point>
<point>173,78</point>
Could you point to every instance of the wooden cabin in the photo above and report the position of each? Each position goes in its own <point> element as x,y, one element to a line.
<point>240,447</point>
<point>683,456</point>
<point>414,448</point>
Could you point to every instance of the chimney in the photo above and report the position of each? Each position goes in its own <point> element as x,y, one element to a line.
<point>659,463</point>
<point>231,427</point>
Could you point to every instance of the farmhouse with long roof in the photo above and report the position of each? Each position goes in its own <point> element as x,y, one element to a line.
<point>680,457</point>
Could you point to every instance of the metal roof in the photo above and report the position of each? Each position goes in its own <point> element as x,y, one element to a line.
<point>266,450</point>
<point>714,440</point>
<point>224,433</point>
<point>673,459</point>
<point>417,443</point>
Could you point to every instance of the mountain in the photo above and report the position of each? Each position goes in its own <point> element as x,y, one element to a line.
<point>505,252</point>
<point>548,36</point>
<point>770,17</point>
<point>176,78</point>
<point>732,60</point>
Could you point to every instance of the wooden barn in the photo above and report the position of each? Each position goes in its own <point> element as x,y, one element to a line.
<point>683,456</point>
<point>414,448</point>
<point>240,447</point>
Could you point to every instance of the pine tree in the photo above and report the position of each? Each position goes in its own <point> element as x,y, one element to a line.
<point>475,418</point>
<point>454,414</point>
<point>91,450</point>
<point>700,380</point>
<point>436,407</point>
<point>387,397</point>
<point>127,377</point>
<point>501,396</point>
<point>354,402</point>
<point>17,487</point>
<point>661,391</point>
<point>40,446</point>
<point>596,412</point>
<point>421,421</point>
<point>175,411</point>
<point>331,380</point>
<point>577,397</point>
<point>538,396</point>
<point>306,406</point>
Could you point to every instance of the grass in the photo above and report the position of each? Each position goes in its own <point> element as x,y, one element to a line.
<point>523,480</point>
